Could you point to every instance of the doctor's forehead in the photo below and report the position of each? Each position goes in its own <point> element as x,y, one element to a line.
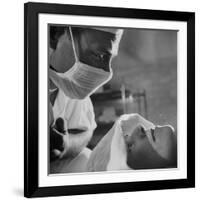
<point>103,35</point>
<point>100,40</point>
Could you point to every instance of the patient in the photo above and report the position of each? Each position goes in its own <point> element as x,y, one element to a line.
<point>151,148</point>
<point>135,143</point>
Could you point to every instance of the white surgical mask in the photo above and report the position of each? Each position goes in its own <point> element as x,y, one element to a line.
<point>81,80</point>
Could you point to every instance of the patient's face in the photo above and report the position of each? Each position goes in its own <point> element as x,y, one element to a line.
<point>153,151</point>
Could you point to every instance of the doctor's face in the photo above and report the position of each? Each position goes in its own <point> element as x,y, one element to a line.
<point>93,47</point>
<point>97,48</point>
<point>155,148</point>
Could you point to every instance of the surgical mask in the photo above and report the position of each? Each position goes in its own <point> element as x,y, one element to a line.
<point>81,80</point>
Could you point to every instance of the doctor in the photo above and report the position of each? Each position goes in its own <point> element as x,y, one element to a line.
<point>80,63</point>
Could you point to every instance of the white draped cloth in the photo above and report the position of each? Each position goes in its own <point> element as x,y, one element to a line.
<point>111,151</point>
<point>78,114</point>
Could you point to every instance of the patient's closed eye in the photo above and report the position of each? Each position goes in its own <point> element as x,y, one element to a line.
<point>142,132</point>
<point>153,135</point>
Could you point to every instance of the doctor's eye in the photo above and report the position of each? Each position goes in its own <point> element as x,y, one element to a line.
<point>98,56</point>
<point>102,56</point>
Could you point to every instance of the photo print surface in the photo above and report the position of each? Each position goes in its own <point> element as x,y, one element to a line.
<point>112,99</point>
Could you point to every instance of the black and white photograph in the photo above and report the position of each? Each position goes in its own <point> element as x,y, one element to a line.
<point>112,96</point>
<point>109,100</point>
<point>100,100</point>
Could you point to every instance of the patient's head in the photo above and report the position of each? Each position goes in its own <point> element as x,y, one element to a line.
<point>149,146</point>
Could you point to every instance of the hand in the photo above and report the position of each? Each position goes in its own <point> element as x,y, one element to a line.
<point>50,114</point>
<point>58,139</point>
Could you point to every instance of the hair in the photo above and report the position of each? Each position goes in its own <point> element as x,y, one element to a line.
<point>57,31</point>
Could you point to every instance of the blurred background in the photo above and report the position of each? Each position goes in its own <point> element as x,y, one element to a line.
<point>144,81</point>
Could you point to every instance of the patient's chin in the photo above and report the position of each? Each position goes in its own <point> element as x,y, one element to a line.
<point>140,163</point>
<point>142,160</point>
<point>168,141</point>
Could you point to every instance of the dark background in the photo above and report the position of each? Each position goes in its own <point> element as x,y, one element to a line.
<point>148,60</point>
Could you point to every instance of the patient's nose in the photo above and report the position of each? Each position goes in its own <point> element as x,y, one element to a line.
<point>164,131</point>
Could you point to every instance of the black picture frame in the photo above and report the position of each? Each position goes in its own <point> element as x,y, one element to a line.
<point>31,12</point>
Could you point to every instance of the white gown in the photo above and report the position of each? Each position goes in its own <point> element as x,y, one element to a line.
<point>79,114</point>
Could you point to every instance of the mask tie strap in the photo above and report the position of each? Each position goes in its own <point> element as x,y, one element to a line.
<point>73,44</point>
